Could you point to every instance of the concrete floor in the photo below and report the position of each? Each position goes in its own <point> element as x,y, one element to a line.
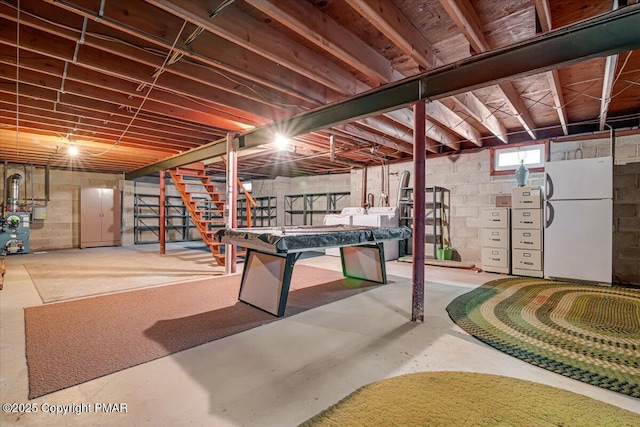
<point>279,374</point>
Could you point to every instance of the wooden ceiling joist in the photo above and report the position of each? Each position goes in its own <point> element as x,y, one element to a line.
<point>466,18</point>
<point>171,78</point>
<point>385,16</point>
<point>569,45</point>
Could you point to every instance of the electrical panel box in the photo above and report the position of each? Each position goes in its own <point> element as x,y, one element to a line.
<point>39,212</point>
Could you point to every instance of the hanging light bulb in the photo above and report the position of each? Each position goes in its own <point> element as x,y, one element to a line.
<point>72,150</point>
<point>281,142</point>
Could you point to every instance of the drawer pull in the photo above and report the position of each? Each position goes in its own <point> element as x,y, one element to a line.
<point>526,234</point>
<point>526,213</point>
<point>526,255</point>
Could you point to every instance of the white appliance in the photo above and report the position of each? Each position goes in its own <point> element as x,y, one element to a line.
<point>345,217</point>
<point>578,236</point>
<point>382,217</point>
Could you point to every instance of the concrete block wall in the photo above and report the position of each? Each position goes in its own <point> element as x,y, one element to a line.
<point>61,228</point>
<point>281,187</point>
<point>626,213</point>
<point>465,175</point>
<point>472,188</point>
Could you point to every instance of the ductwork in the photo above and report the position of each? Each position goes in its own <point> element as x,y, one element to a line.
<point>13,192</point>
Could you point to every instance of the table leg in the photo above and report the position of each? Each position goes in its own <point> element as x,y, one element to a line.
<point>266,279</point>
<point>364,262</point>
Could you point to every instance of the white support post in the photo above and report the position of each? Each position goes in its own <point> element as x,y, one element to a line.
<point>231,202</point>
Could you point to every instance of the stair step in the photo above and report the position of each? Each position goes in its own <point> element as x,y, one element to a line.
<point>238,253</point>
<point>197,166</point>
<point>194,177</point>
<point>204,211</point>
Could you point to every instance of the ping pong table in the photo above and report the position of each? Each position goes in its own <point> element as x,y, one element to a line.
<point>273,251</point>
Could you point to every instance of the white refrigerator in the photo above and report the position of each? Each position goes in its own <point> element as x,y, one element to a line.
<point>578,236</point>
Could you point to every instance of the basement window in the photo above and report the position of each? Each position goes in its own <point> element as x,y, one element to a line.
<point>505,160</point>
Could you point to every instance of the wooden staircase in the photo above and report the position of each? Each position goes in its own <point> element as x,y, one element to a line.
<point>204,203</point>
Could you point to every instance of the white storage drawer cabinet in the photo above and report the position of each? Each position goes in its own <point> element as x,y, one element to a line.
<point>496,245</point>
<point>526,231</point>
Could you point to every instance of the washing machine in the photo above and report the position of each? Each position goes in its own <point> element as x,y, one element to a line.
<point>381,217</point>
<point>345,217</point>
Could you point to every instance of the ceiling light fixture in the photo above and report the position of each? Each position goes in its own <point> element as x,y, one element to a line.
<point>72,150</point>
<point>281,142</point>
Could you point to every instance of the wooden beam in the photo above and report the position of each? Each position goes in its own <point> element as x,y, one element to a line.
<point>608,81</point>
<point>468,22</point>
<point>374,137</point>
<point>35,118</point>
<point>107,70</point>
<point>476,109</point>
<point>553,77</point>
<point>325,33</point>
<point>107,114</point>
<point>388,19</point>
<point>321,30</point>
<point>454,122</point>
<point>558,98</point>
<point>607,87</point>
<point>96,120</point>
<point>261,39</point>
<point>157,102</point>
<point>216,53</point>
<point>544,14</point>
<point>514,101</point>
<point>435,135</point>
<point>560,48</point>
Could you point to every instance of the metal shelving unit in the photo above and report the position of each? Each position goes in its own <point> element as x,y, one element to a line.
<point>262,215</point>
<point>146,216</point>
<point>306,204</point>
<point>437,203</point>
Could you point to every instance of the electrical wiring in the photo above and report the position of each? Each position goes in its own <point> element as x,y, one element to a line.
<point>262,93</point>
<point>175,57</point>
<point>251,86</point>
<point>117,143</point>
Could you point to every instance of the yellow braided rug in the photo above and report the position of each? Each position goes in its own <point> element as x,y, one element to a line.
<point>588,333</point>
<point>460,399</point>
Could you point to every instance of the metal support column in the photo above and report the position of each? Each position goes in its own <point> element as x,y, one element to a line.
<point>232,202</point>
<point>162,211</point>
<point>419,163</point>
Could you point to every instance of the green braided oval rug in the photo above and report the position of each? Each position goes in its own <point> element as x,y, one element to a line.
<point>588,333</point>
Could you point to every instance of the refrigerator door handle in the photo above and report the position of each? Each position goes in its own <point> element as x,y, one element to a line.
<point>548,186</point>
<point>550,214</point>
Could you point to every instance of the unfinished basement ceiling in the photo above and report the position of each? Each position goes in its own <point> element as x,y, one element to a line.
<point>132,82</point>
